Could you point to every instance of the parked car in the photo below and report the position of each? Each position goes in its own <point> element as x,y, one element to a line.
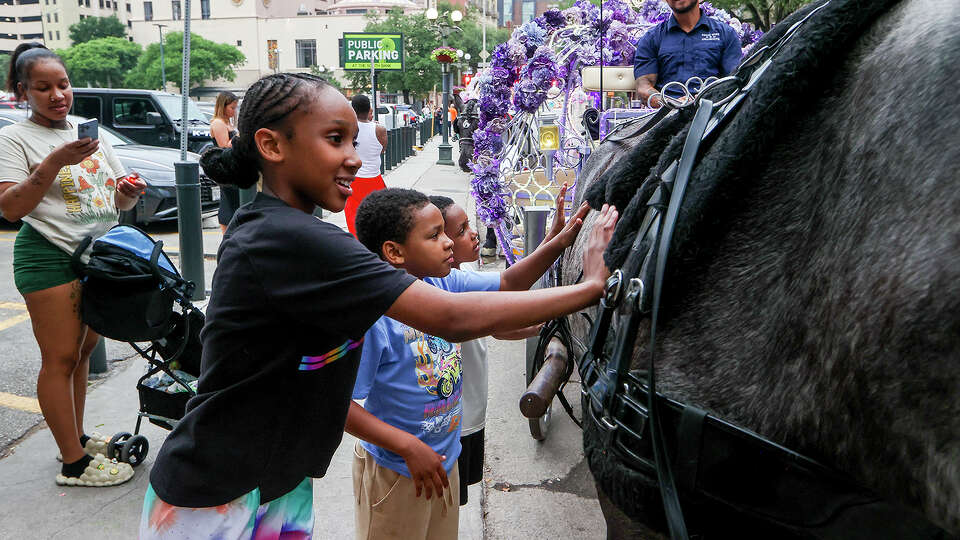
<point>392,115</point>
<point>146,116</point>
<point>153,164</point>
<point>207,109</point>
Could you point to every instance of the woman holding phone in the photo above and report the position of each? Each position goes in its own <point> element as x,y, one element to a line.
<point>64,188</point>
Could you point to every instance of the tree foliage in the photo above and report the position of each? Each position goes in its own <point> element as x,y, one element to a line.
<point>761,13</point>
<point>208,60</point>
<point>421,73</point>
<point>91,28</point>
<point>4,68</point>
<point>327,76</point>
<point>100,62</point>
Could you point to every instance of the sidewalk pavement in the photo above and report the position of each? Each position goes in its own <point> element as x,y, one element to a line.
<point>33,506</point>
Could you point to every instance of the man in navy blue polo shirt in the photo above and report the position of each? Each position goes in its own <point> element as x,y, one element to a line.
<point>687,44</point>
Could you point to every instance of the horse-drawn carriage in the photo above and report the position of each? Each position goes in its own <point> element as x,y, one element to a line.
<point>806,327</point>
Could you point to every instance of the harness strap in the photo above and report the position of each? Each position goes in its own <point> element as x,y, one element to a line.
<point>689,440</point>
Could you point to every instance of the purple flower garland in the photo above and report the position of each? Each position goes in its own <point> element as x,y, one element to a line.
<point>524,68</point>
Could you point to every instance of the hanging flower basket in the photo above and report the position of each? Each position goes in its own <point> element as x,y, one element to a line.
<point>444,55</point>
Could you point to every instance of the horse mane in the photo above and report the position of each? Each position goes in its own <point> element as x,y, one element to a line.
<point>791,82</point>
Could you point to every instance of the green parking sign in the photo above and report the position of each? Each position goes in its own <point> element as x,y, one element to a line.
<point>358,48</point>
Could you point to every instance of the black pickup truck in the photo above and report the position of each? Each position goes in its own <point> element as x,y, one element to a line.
<point>146,116</point>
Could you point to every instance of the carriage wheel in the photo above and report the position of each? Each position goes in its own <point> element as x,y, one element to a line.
<point>135,450</point>
<point>540,426</point>
<point>115,444</point>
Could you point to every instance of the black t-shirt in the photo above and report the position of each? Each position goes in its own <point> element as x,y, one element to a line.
<point>292,299</point>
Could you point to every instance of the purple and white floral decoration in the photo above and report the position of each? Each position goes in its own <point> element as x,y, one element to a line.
<point>549,52</point>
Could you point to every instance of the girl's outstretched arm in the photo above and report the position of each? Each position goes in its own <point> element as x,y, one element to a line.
<point>461,316</point>
<point>527,271</point>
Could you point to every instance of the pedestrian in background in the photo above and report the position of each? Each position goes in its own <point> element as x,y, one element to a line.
<point>223,129</point>
<point>371,140</point>
<point>64,190</point>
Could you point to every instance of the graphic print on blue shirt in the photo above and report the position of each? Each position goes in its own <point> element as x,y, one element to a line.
<point>310,363</point>
<point>438,373</point>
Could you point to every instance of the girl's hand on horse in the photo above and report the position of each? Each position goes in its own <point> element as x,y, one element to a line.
<point>74,152</point>
<point>426,468</point>
<point>566,231</point>
<point>594,269</point>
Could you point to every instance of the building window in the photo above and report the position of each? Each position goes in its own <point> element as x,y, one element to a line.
<point>273,54</point>
<point>129,24</point>
<point>32,18</point>
<point>56,17</point>
<point>50,35</point>
<point>356,11</point>
<point>148,11</point>
<point>128,9</point>
<point>101,4</point>
<point>32,36</point>
<point>306,53</point>
<point>58,32</point>
<point>204,9</point>
<point>86,3</point>
<point>175,6</point>
<point>48,17</point>
<point>239,43</point>
<point>80,3</point>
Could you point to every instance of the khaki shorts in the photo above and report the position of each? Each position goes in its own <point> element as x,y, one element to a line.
<point>387,505</point>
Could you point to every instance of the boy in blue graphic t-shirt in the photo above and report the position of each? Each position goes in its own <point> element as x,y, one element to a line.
<point>411,381</point>
<point>410,423</point>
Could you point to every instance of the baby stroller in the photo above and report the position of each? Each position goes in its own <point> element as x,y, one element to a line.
<point>131,292</point>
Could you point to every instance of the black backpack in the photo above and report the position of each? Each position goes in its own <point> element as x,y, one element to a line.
<point>129,285</point>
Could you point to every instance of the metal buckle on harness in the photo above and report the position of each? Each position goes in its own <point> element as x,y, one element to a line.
<point>635,294</point>
<point>611,290</point>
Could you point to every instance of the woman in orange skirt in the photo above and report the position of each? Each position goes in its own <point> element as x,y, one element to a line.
<point>371,141</point>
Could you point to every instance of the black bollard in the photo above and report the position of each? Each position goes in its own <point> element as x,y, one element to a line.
<point>189,223</point>
<point>98,358</point>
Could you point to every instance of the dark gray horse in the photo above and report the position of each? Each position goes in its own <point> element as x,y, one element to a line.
<point>813,295</point>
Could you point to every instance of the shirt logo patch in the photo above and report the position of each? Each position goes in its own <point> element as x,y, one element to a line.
<point>710,36</point>
<point>310,363</point>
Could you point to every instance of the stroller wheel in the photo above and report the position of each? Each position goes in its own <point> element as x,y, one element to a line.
<point>113,447</point>
<point>134,451</point>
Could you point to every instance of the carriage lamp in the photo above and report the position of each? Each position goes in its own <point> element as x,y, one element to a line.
<point>550,137</point>
<point>549,144</point>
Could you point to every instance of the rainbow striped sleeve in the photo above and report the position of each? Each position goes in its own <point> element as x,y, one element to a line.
<point>310,363</point>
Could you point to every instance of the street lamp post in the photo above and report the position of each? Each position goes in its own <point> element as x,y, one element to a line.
<point>163,68</point>
<point>445,28</point>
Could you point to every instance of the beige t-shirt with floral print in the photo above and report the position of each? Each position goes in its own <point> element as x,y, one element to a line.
<point>80,200</point>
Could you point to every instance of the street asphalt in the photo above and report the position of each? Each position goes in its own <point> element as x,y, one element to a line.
<point>530,489</point>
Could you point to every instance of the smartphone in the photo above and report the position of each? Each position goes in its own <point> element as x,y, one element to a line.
<point>90,128</point>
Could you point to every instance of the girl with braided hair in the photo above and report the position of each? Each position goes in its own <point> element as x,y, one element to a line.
<point>292,298</point>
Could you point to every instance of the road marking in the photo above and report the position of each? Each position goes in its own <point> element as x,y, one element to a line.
<point>16,319</point>
<point>13,401</point>
<point>13,321</point>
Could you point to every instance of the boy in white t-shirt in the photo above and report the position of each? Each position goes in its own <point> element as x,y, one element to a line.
<point>520,276</point>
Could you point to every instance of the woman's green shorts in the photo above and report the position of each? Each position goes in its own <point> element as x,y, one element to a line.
<point>38,264</point>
